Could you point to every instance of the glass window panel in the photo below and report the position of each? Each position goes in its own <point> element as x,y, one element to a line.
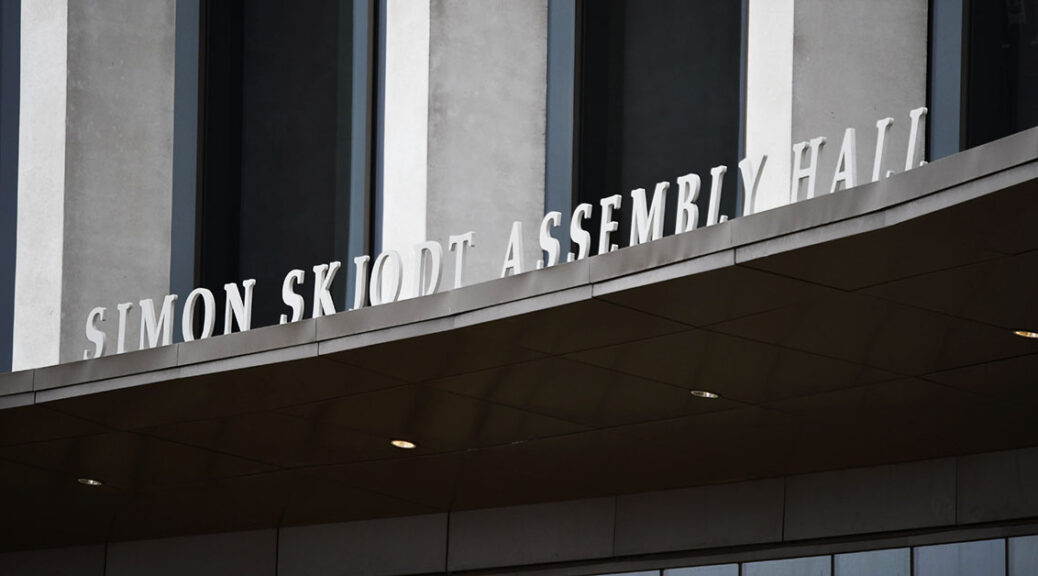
<point>814,566</point>
<point>646,573</point>
<point>660,92</point>
<point>878,562</point>
<point>724,570</point>
<point>985,558</point>
<point>275,167</point>
<point>1023,556</point>
<point>1003,72</point>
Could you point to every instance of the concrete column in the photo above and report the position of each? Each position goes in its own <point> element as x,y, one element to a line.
<point>857,62</point>
<point>464,137</point>
<point>769,96</point>
<point>41,184</point>
<point>817,67</point>
<point>95,181</point>
<point>118,161</point>
<point>406,129</point>
<point>487,106</point>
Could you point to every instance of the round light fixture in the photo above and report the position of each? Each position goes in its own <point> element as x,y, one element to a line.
<point>89,482</point>
<point>703,394</point>
<point>1026,334</point>
<point>404,444</point>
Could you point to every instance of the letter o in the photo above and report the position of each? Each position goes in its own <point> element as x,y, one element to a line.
<point>390,258</point>
<point>187,320</point>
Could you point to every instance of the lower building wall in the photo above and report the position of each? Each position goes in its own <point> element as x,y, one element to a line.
<point>913,508</point>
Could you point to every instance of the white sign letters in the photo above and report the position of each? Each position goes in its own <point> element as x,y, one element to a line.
<point>380,282</point>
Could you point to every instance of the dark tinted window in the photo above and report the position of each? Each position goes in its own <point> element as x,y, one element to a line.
<point>275,145</point>
<point>1003,64</point>
<point>659,97</point>
<point>983,72</point>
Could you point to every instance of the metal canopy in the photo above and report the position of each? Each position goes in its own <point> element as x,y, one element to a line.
<point>869,326</point>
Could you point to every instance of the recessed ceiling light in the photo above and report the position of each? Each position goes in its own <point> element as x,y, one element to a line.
<point>404,444</point>
<point>1025,333</point>
<point>703,394</point>
<point>89,482</point>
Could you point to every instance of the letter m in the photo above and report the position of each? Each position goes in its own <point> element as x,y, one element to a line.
<point>152,328</point>
<point>647,223</point>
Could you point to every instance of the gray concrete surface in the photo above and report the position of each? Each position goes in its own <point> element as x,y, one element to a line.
<point>854,63</point>
<point>119,161</point>
<point>41,184</point>
<point>487,106</point>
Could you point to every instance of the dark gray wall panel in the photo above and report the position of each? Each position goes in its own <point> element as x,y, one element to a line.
<point>898,497</point>
<point>413,545</point>
<point>556,532</point>
<point>726,515</point>
<point>78,561</point>
<point>229,554</point>
<point>998,486</point>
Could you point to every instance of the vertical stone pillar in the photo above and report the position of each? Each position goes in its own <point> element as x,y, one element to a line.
<point>477,162</point>
<point>817,67</point>
<point>487,120</point>
<point>95,186</point>
<point>769,96</point>
<point>41,184</point>
<point>406,130</point>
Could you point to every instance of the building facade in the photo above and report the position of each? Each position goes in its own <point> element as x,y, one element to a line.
<point>394,287</point>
